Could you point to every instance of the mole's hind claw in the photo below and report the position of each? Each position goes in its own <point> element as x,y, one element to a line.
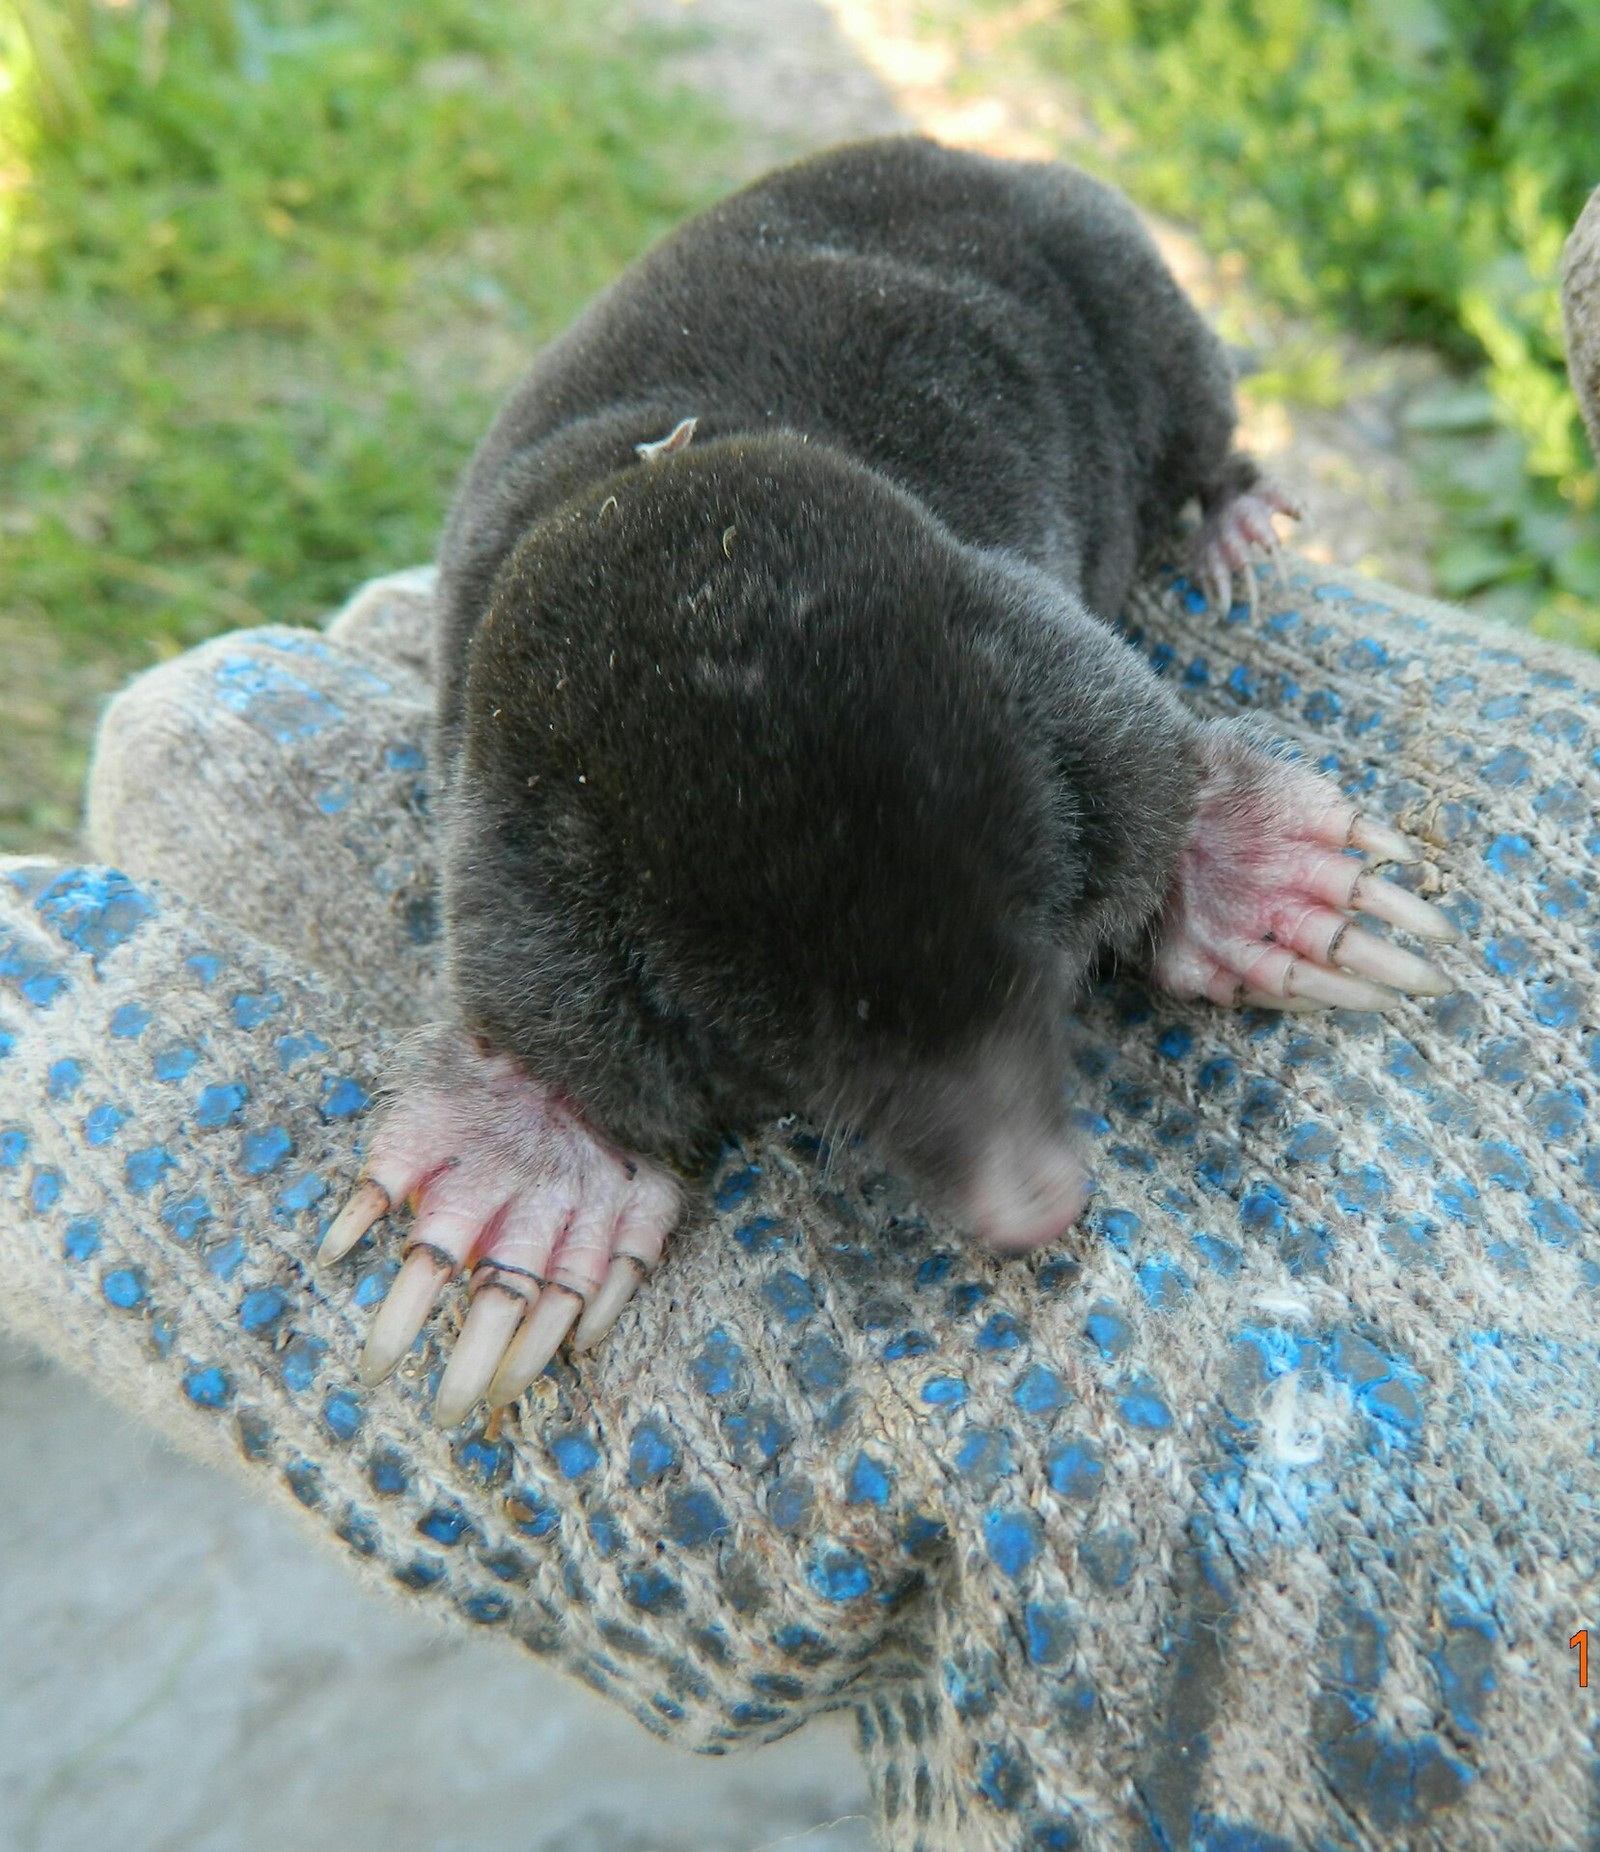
<point>367,1206</point>
<point>1236,530</point>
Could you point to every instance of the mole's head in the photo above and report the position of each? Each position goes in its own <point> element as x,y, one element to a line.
<point>982,1134</point>
<point>759,813</point>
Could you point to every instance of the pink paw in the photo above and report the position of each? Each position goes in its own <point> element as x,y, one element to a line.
<point>557,1227</point>
<point>1235,531</point>
<point>1263,904</point>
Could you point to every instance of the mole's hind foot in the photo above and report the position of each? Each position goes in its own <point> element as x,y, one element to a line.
<point>1235,531</point>
<point>557,1227</point>
<point>1262,909</point>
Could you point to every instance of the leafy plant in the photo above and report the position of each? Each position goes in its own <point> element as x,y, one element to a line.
<point>1410,166</point>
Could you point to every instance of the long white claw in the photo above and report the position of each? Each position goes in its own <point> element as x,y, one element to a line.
<point>369,1203</point>
<point>418,1283</point>
<point>626,1274</point>
<point>1371,956</point>
<point>1289,1006</point>
<point>535,1344</point>
<point>1388,845</point>
<point>1384,901</point>
<point>491,1323</point>
<point>1336,988</point>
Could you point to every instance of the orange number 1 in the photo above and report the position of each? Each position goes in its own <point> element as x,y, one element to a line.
<point>1580,1640</point>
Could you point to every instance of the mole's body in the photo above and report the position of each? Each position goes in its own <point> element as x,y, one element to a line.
<point>786,760</point>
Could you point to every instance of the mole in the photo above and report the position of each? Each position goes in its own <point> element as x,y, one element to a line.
<point>788,761</point>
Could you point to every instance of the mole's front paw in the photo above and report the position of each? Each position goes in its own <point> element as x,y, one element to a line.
<point>1263,903</point>
<point>558,1227</point>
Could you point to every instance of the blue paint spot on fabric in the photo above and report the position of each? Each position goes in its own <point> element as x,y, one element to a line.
<point>694,1517</point>
<point>372,1288</point>
<point>1557,1113</point>
<point>1107,1330</point>
<point>1554,1222</point>
<point>1465,1663</point>
<point>532,1514</point>
<point>304,1193</point>
<point>838,1574</point>
<point>186,1216</point>
<point>293,1049</point>
<point>102,1124</point>
<point>1164,1284</point>
<point>252,1008</point>
<point>1075,1469</point>
<point>142,1170</point>
<point>819,1365</point>
<point>446,1524</point>
<point>1049,1633</point>
<point>206,966</point>
<point>94,909</point>
<point>575,1453</point>
<point>652,1591</point>
<point>944,1392</point>
<point>1509,767</point>
<point>1142,1407</point>
<point>1107,1556</point>
<point>225,1259</point>
<point>220,1105</point>
<point>1510,855</point>
<point>332,799</point>
<point>1004,1781</point>
<point>716,1370</point>
<point>732,1189</point>
<point>422,1573</point>
<point>790,1295</point>
<point>63,1078</point>
<point>1175,1043</point>
<point>789,1503</point>
<point>45,1191</point>
<point>129,1020</point>
<point>35,979</point>
<point>343,1098</point>
<point>208,1387</point>
<point>758,1434</point>
<point>868,1483</point>
<point>81,1238</point>
<point>1222,1256</point>
<point>299,1362</point>
<point>1012,1537</point>
<point>908,1344</point>
<point>1039,1391</point>
<point>985,1457</point>
<point>175,1063</point>
<point>124,1288</point>
<point>276,702</point>
<point>261,1152</point>
<point>760,1235</point>
<point>1001,1332</point>
<point>261,1311</point>
<point>13,1148</point>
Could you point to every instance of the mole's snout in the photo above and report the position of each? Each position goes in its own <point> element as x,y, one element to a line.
<point>1026,1191</point>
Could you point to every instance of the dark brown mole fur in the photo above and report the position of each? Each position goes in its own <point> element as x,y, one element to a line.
<point>796,768</point>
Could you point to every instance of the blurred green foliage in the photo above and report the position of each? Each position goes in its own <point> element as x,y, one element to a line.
<point>1410,167</point>
<point>265,271</point>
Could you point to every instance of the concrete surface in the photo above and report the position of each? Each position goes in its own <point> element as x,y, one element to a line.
<point>184,1670</point>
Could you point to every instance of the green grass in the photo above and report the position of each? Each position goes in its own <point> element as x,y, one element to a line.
<point>265,272</point>
<point>1408,169</point>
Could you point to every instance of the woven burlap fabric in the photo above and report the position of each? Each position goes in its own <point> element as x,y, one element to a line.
<point>1259,1514</point>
